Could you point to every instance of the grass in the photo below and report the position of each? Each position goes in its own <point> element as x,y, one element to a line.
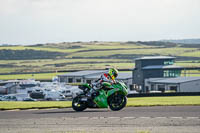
<point>163,51</point>
<point>40,76</point>
<point>89,55</point>
<point>145,131</point>
<point>164,101</point>
<point>37,48</point>
<point>66,64</point>
<point>132,102</point>
<point>8,105</point>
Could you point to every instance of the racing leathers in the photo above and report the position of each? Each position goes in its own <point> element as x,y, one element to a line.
<point>98,83</point>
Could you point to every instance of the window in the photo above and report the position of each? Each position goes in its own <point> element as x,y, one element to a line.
<point>153,87</point>
<point>78,80</point>
<point>131,87</point>
<point>88,81</point>
<point>70,80</point>
<point>161,88</point>
<point>171,73</point>
<point>147,88</point>
<point>169,62</point>
<point>173,88</point>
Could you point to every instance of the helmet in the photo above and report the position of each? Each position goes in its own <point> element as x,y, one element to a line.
<point>113,72</point>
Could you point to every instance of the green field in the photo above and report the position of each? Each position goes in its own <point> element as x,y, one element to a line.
<point>32,105</point>
<point>41,76</point>
<point>132,102</point>
<point>164,101</point>
<point>91,55</point>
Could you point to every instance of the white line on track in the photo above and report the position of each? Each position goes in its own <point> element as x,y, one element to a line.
<point>129,117</point>
<point>13,110</point>
<point>84,117</point>
<point>113,117</point>
<point>144,117</point>
<point>32,109</point>
<point>192,117</point>
<point>176,117</point>
<point>160,117</point>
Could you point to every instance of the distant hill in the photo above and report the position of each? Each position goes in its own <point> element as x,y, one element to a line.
<point>28,54</point>
<point>68,56</point>
<point>184,41</point>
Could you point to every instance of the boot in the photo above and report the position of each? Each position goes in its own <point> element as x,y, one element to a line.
<point>89,94</point>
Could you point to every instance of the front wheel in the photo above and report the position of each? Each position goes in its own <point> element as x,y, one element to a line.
<point>78,105</point>
<point>117,102</point>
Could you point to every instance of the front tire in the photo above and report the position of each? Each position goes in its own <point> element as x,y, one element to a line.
<point>117,102</point>
<point>78,105</point>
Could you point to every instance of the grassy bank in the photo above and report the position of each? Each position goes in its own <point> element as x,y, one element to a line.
<point>9,105</point>
<point>132,102</point>
<point>89,55</point>
<point>39,76</point>
<point>164,101</point>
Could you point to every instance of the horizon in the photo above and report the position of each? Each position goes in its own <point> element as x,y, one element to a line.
<point>162,40</point>
<point>105,41</point>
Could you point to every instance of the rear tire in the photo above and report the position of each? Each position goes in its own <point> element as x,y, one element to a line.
<point>78,105</point>
<point>117,102</point>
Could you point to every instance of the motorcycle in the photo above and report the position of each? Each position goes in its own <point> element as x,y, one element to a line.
<point>112,95</point>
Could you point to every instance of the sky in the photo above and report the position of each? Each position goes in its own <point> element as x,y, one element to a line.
<point>28,22</point>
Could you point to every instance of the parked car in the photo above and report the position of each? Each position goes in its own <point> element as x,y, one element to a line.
<point>37,93</point>
<point>8,98</point>
<point>29,99</point>
<point>53,95</point>
<point>66,93</point>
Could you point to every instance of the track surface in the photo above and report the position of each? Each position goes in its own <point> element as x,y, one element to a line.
<point>131,119</point>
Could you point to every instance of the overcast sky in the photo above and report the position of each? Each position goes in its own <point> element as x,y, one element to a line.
<point>48,21</point>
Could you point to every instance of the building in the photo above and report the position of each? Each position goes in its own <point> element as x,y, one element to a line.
<point>178,84</point>
<point>9,87</point>
<point>78,77</point>
<point>92,75</point>
<point>154,73</point>
<point>126,77</point>
<point>153,67</point>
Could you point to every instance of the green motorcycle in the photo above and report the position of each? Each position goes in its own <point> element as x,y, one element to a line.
<point>112,95</point>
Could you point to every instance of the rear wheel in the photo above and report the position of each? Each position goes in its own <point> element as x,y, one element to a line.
<point>117,101</point>
<point>78,105</point>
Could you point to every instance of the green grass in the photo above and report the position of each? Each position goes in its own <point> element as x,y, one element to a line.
<point>68,64</point>
<point>163,51</point>
<point>38,48</point>
<point>97,54</point>
<point>164,101</point>
<point>33,105</point>
<point>132,102</point>
<point>143,131</point>
<point>192,53</point>
<point>41,76</point>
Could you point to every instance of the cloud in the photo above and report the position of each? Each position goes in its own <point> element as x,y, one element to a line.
<point>63,20</point>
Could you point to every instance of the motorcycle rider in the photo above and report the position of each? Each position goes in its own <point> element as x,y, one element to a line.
<point>110,77</point>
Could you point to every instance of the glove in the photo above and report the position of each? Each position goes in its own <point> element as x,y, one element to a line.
<point>96,86</point>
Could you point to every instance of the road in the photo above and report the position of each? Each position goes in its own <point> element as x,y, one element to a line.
<point>158,119</point>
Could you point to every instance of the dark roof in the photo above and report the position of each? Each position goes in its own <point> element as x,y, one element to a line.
<point>155,57</point>
<point>173,80</point>
<point>84,73</point>
<point>162,67</point>
<point>121,75</point>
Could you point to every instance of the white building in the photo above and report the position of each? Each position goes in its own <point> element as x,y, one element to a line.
<point>92,75</point>
<point>78,77</point>
<point>178,84</point>
<point>9,87</point>
<point>123,76</point>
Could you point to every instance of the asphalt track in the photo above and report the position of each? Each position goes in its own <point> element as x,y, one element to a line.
<point>158,119</point>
